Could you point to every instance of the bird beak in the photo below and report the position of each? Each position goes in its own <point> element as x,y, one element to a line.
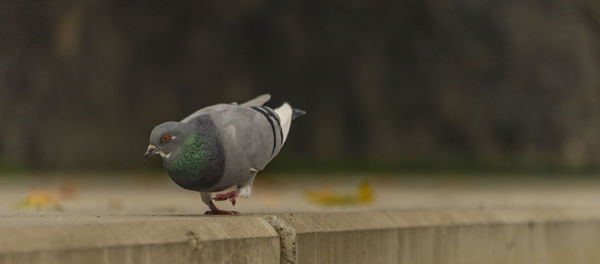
<point>150,152</point>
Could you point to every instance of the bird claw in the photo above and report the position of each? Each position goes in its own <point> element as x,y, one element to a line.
<point>222,197</point>
<point>221,212</point>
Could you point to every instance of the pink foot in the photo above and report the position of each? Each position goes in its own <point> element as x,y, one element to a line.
<point>216,211</point>
<point>229,195</point>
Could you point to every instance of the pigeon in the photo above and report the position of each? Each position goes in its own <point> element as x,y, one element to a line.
<point>222,147</point>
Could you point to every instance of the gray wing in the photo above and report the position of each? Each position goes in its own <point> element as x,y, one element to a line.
<point>258,101</point>
<point>251,137</point>
<point>205,110</point>
<point>252,132</point>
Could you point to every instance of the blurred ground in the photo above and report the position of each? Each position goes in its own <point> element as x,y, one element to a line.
<point>154,195</point>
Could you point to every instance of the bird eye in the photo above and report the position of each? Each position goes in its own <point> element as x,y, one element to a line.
<point>165,138</point>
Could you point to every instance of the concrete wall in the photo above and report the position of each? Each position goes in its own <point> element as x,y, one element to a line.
<point>141,240</point>
<point>433,236</point>
<point>453,236</point>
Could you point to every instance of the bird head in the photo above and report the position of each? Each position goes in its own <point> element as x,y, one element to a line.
<point>166,138</point>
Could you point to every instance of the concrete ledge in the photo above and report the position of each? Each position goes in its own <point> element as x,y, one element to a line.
<point>547,235</point>
<point>140,240</point>
<point>448,236</point>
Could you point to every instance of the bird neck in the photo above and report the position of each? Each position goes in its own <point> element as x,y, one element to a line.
<point>192,157</point>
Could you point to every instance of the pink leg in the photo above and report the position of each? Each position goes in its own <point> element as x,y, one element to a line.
<point>230,195</point>
<point>216,211</point>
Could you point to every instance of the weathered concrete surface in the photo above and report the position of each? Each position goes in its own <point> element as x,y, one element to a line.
<point>345,237</point>
<point>562,242</point>
<point>534,235</point>
<point>400,236</point>
<point>150,220</point>
<point>139,240</point>
<point>448,236</point>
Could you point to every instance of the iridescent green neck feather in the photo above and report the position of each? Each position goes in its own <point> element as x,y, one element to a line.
<point>197,163</point>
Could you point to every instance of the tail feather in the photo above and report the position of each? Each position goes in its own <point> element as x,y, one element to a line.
<point>285,115</point>
<point>297,113</point>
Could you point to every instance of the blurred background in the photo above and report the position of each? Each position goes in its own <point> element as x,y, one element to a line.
<point>388,85</point>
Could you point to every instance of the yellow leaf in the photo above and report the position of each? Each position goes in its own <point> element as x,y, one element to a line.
<point>329,197</point>
<point>38,199</point>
